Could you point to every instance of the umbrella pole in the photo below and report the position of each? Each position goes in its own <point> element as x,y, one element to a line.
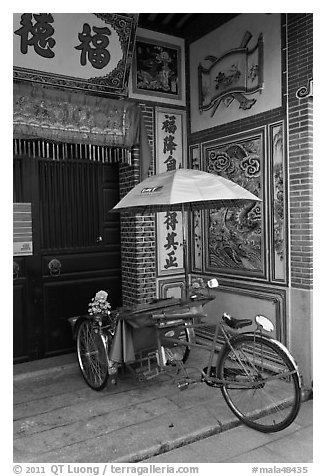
<point>185,253</point>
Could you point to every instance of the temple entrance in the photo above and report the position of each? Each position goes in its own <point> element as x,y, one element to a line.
<point>76,242</point>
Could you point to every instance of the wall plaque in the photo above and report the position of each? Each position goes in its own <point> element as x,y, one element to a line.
<point>87,51</point>
<point>22,228</point>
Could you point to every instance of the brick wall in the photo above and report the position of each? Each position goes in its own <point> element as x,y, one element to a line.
<point>300,124</point>
<point>138,233</point>
<point>138,252</point>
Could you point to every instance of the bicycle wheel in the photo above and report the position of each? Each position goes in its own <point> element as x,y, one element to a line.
<point>92,356</point>
<point>263,388</point>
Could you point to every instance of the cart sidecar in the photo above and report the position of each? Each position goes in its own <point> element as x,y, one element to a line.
<point>139,332</point>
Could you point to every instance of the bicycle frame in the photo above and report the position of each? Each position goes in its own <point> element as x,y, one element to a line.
<point>228,338</point>
<point>206,374</point>
<point>245,360</point>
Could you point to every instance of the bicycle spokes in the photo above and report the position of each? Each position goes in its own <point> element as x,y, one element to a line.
<point>262,386</point>
<point>92,355</point>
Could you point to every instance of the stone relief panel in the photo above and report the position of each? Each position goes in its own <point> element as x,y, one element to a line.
<point>235,238</point>
<point>235,71</point>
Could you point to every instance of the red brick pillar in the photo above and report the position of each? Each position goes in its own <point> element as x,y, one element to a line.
<point>138,245</point>
<point>300,162</point>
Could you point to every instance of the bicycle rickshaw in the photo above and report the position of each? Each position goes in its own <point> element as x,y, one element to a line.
<point>256,374</point>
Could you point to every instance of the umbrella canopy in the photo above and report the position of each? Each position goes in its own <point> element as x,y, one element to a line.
<point>184,189</point>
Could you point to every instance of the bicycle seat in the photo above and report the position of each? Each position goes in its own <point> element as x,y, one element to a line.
<point>236,323</point>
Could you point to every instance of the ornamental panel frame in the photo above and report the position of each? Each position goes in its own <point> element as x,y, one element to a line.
<point>277,297</point>
<point>279,203</point>
<point>171,287</point>
<point>196,217</point>
<point>236,240</point>
<point>100,64</point>
<point>237,70</point>
<point>170,154</point>
<point>167,75</point>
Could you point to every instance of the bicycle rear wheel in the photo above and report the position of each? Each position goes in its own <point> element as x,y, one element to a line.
<point>263,386</point>
<point>92,355</point>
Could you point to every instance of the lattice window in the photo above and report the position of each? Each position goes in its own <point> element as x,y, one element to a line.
<point>69,203</point>
<point>66,184</point>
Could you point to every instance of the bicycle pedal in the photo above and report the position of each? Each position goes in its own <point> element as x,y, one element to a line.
<point>183,385</point>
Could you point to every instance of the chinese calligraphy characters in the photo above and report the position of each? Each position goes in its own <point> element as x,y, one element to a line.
<point>171,223</point>
<point>169,147</point>
<point>94,47</point>
<point>38,32</point>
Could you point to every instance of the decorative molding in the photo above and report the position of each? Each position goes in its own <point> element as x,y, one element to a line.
<point>218,43</point>
<point>196,240</point>
<point>171,287</point>
<point>276,296</point>
<point>194,157</point>
<point>223,80</point>
<point>71,116</point>
<point>278,200</point>
<point>305,91</point>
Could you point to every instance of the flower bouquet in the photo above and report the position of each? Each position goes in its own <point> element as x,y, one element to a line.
<point>100,309</point>
<point>99,305</point>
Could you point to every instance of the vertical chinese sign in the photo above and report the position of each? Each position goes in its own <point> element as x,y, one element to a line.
<point>88,51</point>
<point>170,146</point>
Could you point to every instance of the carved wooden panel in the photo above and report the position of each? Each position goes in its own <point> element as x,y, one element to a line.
<point>235,238</point>
<point>279,261</point>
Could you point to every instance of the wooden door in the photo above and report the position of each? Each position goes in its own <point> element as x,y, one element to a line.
<point>76,246</point>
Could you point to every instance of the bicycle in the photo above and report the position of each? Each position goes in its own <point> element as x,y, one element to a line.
<point>257,375</point>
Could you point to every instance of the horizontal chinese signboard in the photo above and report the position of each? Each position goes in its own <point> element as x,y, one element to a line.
<point>90,51</point>
<point>22,227</point>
